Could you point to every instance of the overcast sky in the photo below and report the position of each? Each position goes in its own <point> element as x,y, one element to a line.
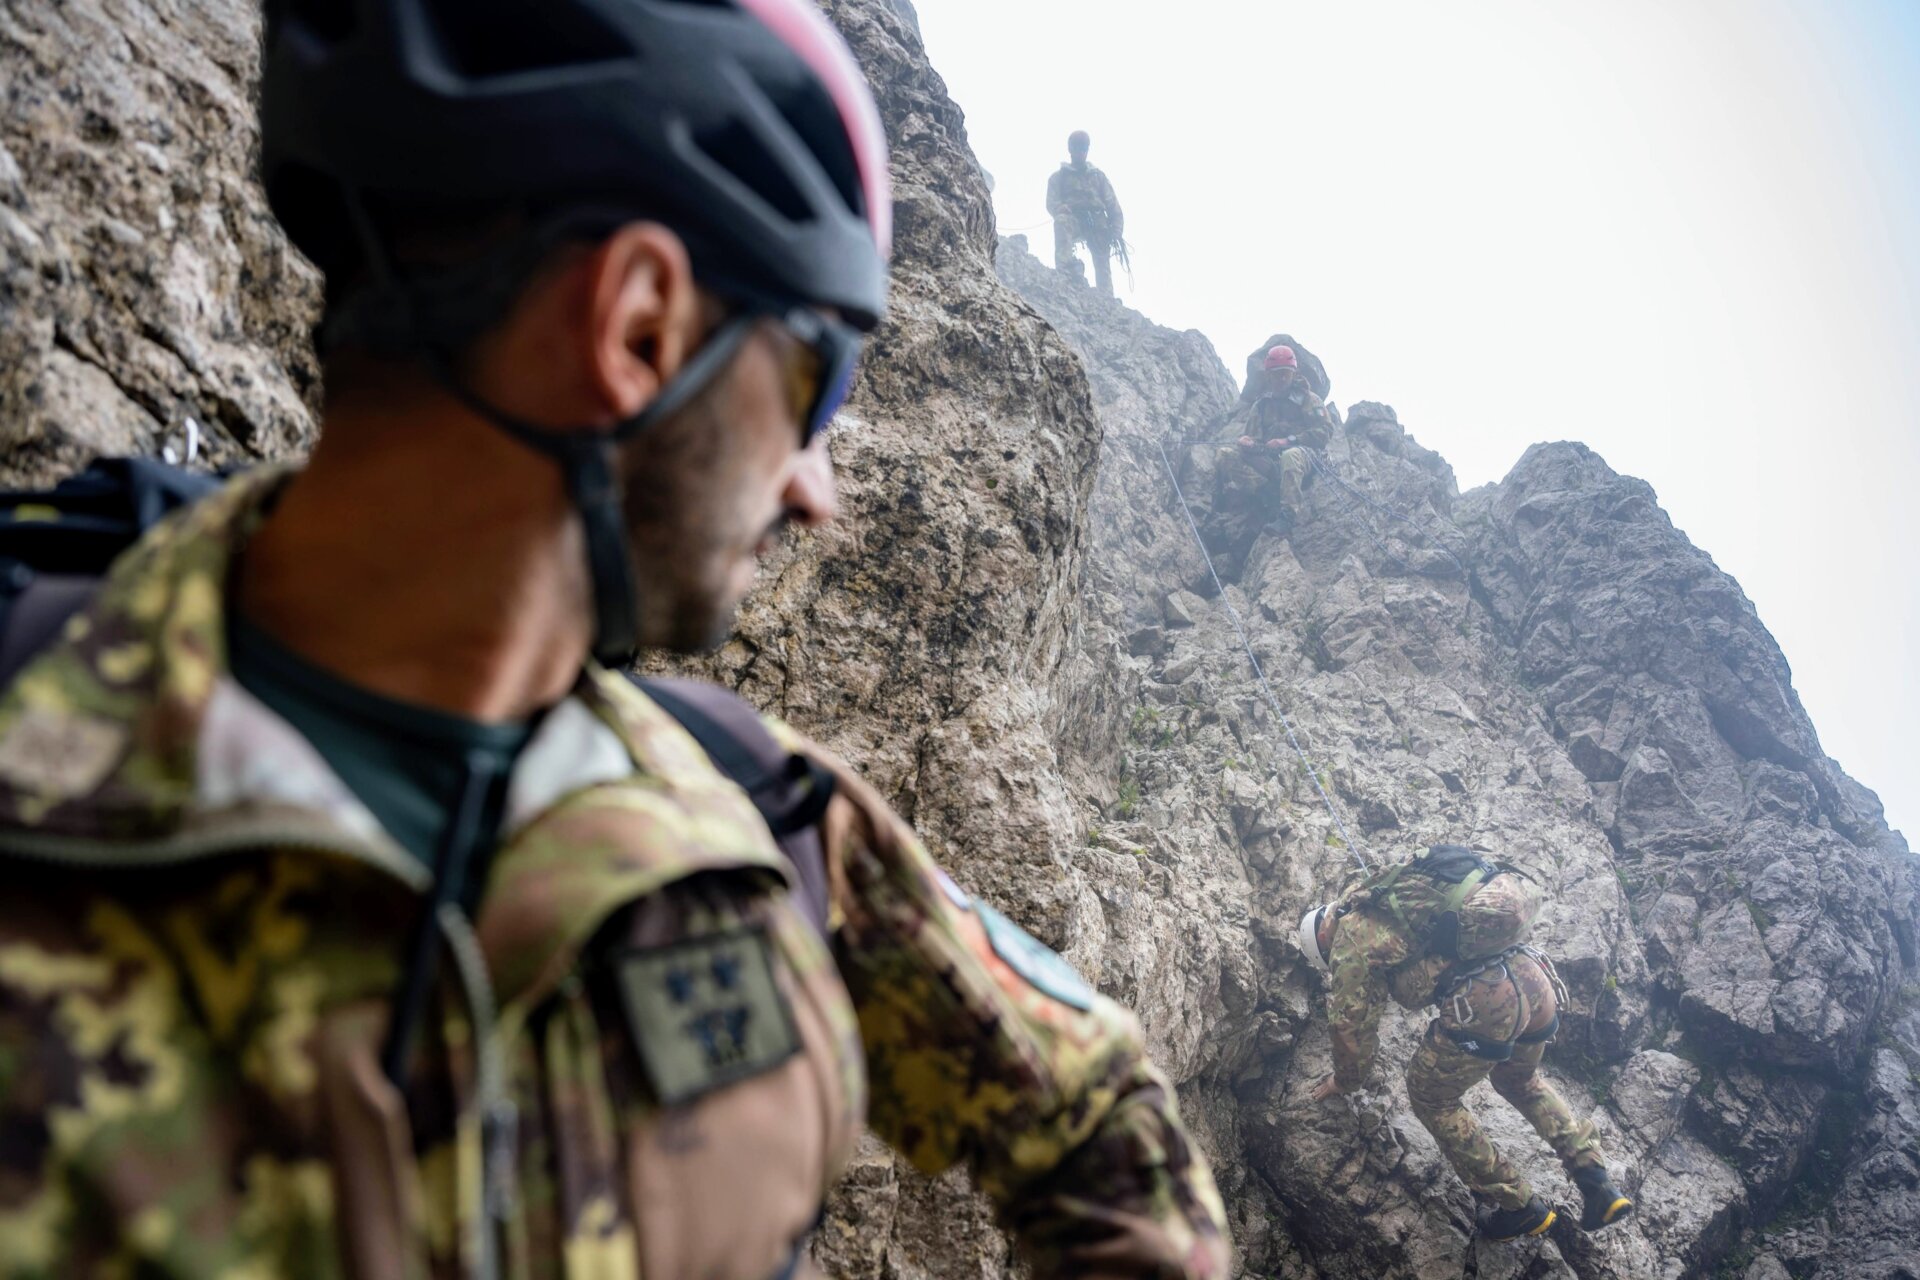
<point>1687,234</point>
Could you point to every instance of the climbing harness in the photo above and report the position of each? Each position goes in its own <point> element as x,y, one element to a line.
<point>1450,993</point>
<point>1246,643</point>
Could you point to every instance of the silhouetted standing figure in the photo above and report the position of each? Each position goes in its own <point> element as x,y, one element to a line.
<point>1085,211</point>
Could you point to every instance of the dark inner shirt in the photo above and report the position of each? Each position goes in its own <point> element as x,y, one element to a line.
<point>410,765</point>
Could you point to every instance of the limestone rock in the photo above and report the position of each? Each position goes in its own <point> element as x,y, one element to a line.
<point>1581,688</point>
<point>142,281</point>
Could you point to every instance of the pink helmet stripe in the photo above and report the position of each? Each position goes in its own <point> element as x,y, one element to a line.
<point>805,30</point>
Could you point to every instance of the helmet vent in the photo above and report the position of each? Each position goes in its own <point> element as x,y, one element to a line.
<point>739,151</point>
<point>483,39</point>
<point>814,119</point>
<point>329,21</point>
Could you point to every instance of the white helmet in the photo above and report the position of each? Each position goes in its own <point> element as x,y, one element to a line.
<point>1310,935</point>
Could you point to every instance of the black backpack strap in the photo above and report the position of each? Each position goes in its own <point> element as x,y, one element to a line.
<point>1543,1035</point>
<point>790,791</point>
<point>80,525</point>
<point>56,544</point>
<point>33,616</point>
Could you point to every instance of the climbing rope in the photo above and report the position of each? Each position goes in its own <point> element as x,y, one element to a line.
<point>1320,468</point>
<point>1020,231</point>
<point>1259,672</point>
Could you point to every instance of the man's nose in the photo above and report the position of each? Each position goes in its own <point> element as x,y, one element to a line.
<point>809,495</point>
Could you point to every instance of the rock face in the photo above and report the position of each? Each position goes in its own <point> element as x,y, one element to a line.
<point>1015,636</point>
<point>1545,666</point>
<point>142,282</point>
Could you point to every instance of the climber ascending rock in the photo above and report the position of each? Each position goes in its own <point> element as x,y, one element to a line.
<point>1449,928</point>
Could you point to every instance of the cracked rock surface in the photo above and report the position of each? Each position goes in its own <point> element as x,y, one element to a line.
<point>1548,667</point>
<point>142,282</point>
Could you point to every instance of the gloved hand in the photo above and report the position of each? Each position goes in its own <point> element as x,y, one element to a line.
<point>1248,442</point>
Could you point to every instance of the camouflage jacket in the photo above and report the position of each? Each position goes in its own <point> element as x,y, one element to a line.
<point>1380,952</point>
<point>1083,192</point>
<point>642,1061</point>
<point>1271,417</point>
<point>1295,413</point>
<point>1368,948</point>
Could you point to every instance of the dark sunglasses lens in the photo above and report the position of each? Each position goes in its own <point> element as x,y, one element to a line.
<point>834,389</point>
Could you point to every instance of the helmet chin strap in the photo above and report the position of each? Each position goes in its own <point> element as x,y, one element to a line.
<point>589,459</point>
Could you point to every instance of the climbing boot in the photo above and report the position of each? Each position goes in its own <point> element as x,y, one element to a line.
<point>1602,1203</point>
<point>1530,1219</point>
<point>1281,525</point>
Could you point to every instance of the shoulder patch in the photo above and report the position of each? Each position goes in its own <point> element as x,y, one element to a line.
<point>705,1013</point>
<point>1033,960</point>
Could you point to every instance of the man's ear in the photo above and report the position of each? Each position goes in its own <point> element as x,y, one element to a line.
<point>642,313</point>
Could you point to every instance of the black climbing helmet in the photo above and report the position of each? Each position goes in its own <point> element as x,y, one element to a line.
<point>745,125</point>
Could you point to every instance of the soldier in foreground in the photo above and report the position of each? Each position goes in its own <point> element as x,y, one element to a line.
<point>1085,211</point>
<point>1448,929</point>
<point>361,919</point>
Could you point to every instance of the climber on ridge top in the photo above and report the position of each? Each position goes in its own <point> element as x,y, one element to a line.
<point>1084,211</point>
<point>1448,928</point>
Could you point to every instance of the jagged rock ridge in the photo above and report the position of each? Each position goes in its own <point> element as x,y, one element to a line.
<point>1013,634</point>
<point>1547,666</point>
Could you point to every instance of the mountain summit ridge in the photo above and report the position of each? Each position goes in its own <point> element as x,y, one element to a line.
<point>1547,666</point>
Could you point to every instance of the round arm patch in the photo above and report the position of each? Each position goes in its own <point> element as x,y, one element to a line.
<point>1033,960</point>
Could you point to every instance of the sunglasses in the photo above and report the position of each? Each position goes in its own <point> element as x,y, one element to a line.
<point>820,376</point>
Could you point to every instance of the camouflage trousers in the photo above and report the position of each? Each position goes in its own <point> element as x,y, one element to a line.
<point>1513,1000</point>
<point>1252,488</point>
<point>1066,234</point>
<point>1294,465</point>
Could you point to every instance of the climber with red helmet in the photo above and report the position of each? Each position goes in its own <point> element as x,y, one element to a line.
<point>1266,459</point>
<point>1085,210</point>
<point>378,925</point>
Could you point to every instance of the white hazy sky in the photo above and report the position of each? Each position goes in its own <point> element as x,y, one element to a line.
<point>1686,233</point>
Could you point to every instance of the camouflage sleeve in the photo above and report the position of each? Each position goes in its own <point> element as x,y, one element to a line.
<point>1114,212</point>
<point>1056,199</point>
<point>1364,949</point>
<point>1318,433</point>
<point>985,1048</point>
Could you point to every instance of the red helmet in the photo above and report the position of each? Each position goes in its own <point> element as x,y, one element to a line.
<point>1281,357</point>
